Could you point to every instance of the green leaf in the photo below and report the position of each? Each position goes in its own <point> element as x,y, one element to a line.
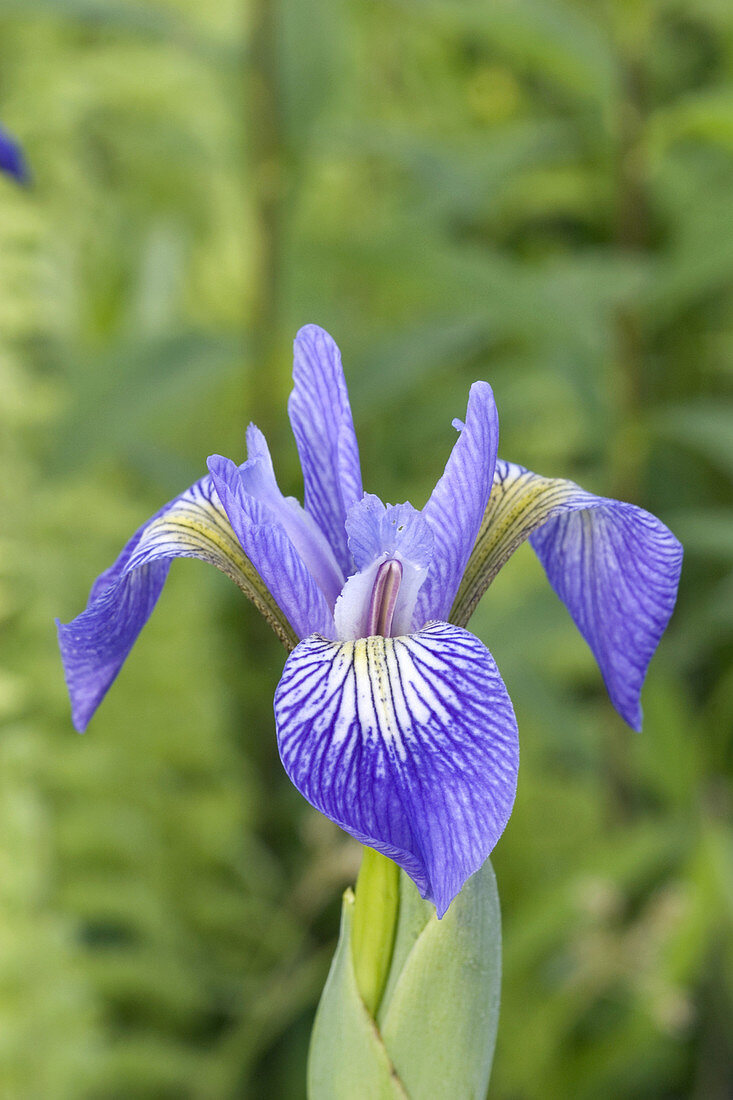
<point>705,532</point>
<point>703,116</point>
<point>414,913</point>
<point>439,1023</point>
<point>347,1055</point>
<point>551,39</point>
<point>435,1031</point>
<point>126,16</point>
<point>119,391</point>
<point>704,426</point>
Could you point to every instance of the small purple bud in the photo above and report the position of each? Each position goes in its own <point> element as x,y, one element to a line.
<point>12,161</point>
<point>384,598</point>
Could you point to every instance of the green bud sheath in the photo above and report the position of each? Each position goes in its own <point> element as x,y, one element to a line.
<point>432,1037</point>
<point>347,1059</point>
<point>374,924</point>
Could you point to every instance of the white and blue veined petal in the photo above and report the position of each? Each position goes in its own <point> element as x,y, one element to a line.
<point>408,743</point>
<point>457,503</point>
<point>323,427</point>
<point>96,643</point>
<point>615,566</point>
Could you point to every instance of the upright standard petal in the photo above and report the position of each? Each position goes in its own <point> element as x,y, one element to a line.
<point>12,160</point>
<point>95,644</point>
<point>458,502</point>
<point>320,414</point>
<point>614,566</point>
<point>267,544</point>
<point>409,744</point>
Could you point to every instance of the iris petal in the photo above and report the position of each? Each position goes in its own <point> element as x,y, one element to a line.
<point>320,415</point>
<point>614,566</point>
<point>258,480</point>
<point>96,643</point>
<point>409,744</point>
<point>458,502</point>
<point>267,544</point>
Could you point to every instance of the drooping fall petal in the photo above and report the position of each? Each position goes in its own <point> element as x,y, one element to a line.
<point>614,566</point>
<point>96,643</point>
<point>409,744</point>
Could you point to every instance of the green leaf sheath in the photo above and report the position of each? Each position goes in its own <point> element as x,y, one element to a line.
<point>348,1059</point>
<point>434,1035</point>
<point>439,1025</point>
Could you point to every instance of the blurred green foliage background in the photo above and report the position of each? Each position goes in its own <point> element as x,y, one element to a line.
<point>536,192</point>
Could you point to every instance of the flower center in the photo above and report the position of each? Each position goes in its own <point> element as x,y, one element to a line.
<point>384,598</point>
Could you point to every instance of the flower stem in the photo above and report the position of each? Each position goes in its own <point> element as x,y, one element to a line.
<point>375,920</point>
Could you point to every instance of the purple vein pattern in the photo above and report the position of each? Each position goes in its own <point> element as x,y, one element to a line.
<point>323,427</point>
<point>616,569</point>
<point>96,643</point>
<point>410,744</point>
<point>457,503</point>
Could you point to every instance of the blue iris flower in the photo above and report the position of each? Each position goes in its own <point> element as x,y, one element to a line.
<point>392,719</point>
<point>12,160</point>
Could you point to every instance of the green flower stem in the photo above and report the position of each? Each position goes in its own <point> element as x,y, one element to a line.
<point>376,908</point>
